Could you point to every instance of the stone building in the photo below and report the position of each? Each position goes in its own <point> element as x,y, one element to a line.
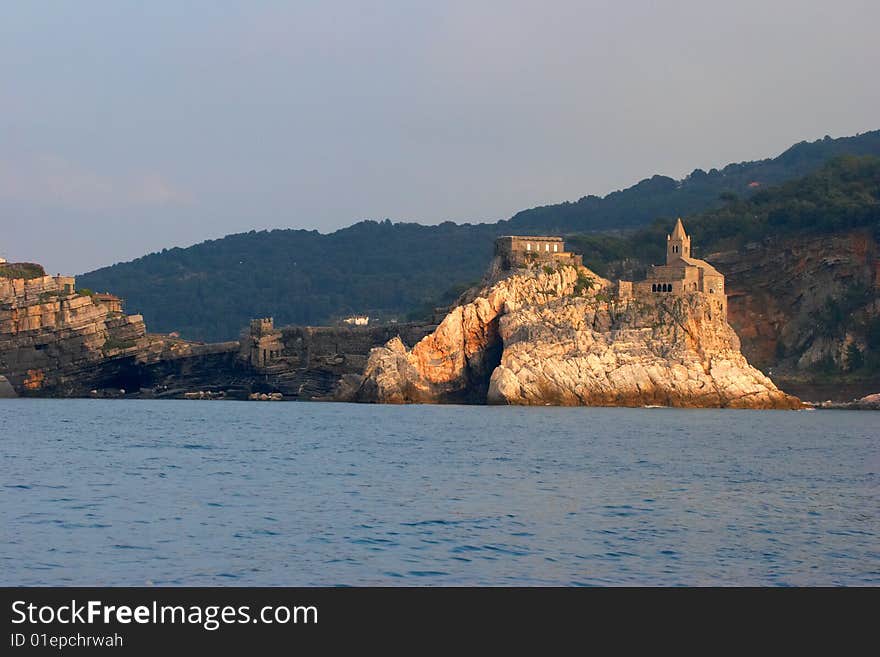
<point>66,284</point>
<point>682,274</point>
<point>111,302</point>
<point>261,344</point>
<point>521,251</point>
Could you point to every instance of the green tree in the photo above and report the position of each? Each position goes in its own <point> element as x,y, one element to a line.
<point>854,357</point>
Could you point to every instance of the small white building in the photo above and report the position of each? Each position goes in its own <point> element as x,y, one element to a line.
<point>357,320</point>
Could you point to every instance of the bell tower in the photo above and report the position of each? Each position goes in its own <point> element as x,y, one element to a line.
<point>678,244</point>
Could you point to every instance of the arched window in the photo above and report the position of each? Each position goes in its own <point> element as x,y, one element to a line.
<point>528,246</point>
<point>555,248</point>
<point>547,247</point>
<point>654,287</point>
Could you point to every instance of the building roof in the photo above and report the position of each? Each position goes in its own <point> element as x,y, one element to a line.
<point>696,262</point>
<point>678,231</point>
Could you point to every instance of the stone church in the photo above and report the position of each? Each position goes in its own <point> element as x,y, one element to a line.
<point>682,274</point>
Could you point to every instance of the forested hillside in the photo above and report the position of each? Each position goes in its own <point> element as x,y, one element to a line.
<point>209,291</point>
<point>842,195</point>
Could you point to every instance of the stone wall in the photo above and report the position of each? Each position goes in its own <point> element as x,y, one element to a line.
<point>515,251</point>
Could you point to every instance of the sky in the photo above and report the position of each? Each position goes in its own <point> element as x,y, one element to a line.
<point>128,126</point>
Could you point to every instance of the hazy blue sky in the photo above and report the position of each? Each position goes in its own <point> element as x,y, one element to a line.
<point>126,127</point>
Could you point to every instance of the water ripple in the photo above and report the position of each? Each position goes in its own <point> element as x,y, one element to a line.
<point>182,494</point>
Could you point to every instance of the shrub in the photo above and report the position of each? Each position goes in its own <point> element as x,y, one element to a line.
<point>25,270</point>
<point>583,284</point>
<point>854,357</point>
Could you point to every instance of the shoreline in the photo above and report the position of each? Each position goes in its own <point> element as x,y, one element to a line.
<point>854,405</point>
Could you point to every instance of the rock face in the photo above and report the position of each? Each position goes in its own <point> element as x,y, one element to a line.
<point>49,334</point>
<point>560,336</point>
<point>456,361</point>
<point>800,302</point>
<point>669,351</point>
<point>57,342</point>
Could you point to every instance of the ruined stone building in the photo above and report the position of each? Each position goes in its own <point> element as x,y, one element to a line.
<point>261,343</point>
<point>521,251</point>
<point>110,301</point>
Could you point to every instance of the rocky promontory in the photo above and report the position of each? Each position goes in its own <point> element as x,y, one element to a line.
<point>561,335</point>
<point>57,340</point>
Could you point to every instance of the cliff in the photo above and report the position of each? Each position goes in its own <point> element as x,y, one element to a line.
<point>56,341</point>
<point>49,334</point>
<point>665,350</point>
<point>804,307</point>
<point>455,362</point>
<point>547,335</point>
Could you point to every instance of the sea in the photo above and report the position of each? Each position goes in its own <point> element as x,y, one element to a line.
<point>197,493</point>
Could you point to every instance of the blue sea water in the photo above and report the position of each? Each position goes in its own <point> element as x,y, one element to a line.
<point>106,492</point>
